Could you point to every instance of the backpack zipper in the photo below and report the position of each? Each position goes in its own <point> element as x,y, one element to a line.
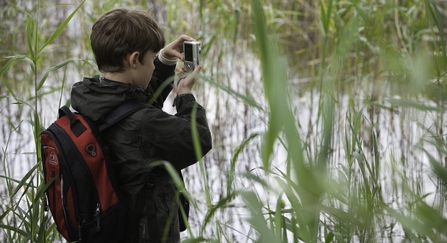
<point>66,139</point>
<point>98,219</point>
<point>53,174</point>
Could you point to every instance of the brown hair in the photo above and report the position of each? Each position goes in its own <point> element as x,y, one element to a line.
<point>120,32</point>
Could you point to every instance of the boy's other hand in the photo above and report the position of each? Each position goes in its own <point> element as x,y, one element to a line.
<point>186,84</point>
<point>175,49</point>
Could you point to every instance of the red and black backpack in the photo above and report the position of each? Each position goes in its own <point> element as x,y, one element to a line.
<point>81,185</point>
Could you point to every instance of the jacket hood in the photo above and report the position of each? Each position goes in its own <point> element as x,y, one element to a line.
<point>95,97</point>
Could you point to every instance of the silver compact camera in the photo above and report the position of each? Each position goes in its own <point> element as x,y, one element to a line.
<point>191,50</point>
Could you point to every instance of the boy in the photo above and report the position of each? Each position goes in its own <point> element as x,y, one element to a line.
<point>127,45</point>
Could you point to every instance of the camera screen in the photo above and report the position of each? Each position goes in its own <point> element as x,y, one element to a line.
<point>188,53</point>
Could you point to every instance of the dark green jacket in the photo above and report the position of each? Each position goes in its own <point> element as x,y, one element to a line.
<point>146,136</point>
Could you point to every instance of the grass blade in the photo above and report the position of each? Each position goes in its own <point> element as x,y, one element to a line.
<point>61,27</point>
<point>54,68</point>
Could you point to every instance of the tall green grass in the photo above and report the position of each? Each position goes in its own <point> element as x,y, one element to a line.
<point>24,218</point>
<point>355,170</point>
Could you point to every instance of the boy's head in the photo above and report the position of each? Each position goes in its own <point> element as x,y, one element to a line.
<point>120,32</point>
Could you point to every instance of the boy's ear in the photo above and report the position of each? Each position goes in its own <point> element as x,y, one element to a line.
<point>133,59</point>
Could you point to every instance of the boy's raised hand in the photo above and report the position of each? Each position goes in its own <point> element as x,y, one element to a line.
<point>175,49</point>
<point>186,84</point>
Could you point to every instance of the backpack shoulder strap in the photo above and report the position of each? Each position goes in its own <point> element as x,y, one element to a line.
<point>124,110</point>
<point>76,126</point>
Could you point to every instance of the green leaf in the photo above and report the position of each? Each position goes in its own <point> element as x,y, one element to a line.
<point>239,149</point>
<point>24,182</point>
<point>329,237</point>
<point>413,104</point>
<point>15,58</point>
<point>14,229</point>
<point>257,219</point>
<point>61,27</point>
<point>52,69</point>
<point>31,36</point>
<point>246,99</point>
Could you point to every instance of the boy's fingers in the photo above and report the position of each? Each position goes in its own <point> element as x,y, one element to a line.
<point>197,69</point>
<point>186,38</point>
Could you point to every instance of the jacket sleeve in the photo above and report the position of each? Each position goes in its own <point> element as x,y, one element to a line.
<point>162,73</point>
<point>172,136</point>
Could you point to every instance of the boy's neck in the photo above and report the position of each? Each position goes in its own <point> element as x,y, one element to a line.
<point>122,77</point>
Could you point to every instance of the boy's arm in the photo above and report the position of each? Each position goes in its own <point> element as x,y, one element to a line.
<point>172,136</point>
<point>187,105</point>
<point>164,71</point>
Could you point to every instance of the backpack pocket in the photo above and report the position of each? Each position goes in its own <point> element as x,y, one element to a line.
<point>116,224</point>
<point>58,191</point>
